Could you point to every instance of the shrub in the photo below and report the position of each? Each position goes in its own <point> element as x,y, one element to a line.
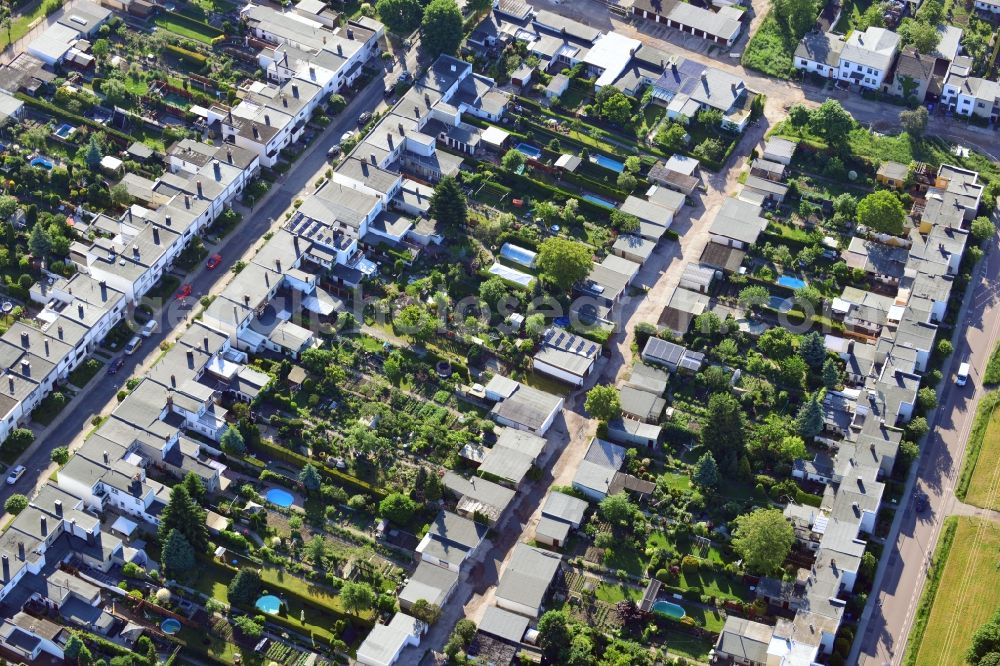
<point>15,504</point>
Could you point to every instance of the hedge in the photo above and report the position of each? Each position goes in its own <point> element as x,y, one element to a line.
<point>192,57</point>
<point>341,478</point>
<point>930,591</point>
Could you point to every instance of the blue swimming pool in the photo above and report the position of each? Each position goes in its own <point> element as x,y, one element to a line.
<point>780,304</point>
<point>529,150</point>
<point>669,609</point>
<point>599,201</point>
<point>170,626</point>
<point>269,604</point>
<point>791,282</point>
<point>280,497</point>
<point>64,131</point>
<point>42,162</point>
<point>518,255</point>
<point>608,163</point>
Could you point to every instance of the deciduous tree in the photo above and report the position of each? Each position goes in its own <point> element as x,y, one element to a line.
<point>603,403</point>
<point>882,211</point>
<point>564,262</point>
<point>763,539</point>
<point>441,27</point>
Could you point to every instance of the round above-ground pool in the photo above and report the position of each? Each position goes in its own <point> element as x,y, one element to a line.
<point>279,496</point>
<point>669,609</point>
<point>269,604</point>
<point>170,626</point>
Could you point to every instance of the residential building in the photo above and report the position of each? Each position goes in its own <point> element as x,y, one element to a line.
<point>819,52</point>
<point>868,57</point>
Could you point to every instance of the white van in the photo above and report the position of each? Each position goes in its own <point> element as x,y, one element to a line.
<point>962,375</point>
<point>148,329</point>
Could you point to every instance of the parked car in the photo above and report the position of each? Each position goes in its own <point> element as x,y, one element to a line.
<point>133,344</point>
<point>214,261</point>
<point>15,474</point>
<point>184,292</point>
<point>333,151</point>
<point>364,118</point>
<point>116,365</point>
<point>148,328</point>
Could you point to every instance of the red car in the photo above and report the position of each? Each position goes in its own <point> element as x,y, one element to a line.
<point>184,292</point>
<point>214,261</point>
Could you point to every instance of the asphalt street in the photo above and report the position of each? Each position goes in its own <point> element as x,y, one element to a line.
<point>900,581</point>
<point>99,396</point>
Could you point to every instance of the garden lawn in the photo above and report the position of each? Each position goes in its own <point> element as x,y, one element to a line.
<point>967,596</point>
<point>20,24</point>
<point>715,584</point>
<point>850,15</point>
<point>684,644</point>
<point>190,29</point>
<point>984,447</point>
<point>85,372</point>
<point>612,594</point>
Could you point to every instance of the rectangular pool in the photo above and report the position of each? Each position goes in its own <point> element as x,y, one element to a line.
<point>791,282</point>
<point>608,163</point>
<point>529,150</point>
<point>599,201</point>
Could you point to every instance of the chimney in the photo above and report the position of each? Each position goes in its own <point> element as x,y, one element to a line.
<point>350,33</point>
<point>58,505</point>
<point>20,551</point>
<point>173,381</point>
<point>284,100</point>
<point>267,279</point>
<point>229,155</point>
<point>190,358</point>
<point>312,72</point>
<point>416,110</point>
<point>246,300</point>
<point>205,340</point>
<point>267,119</point>
<point>256,132</point>
<point>295,90</point>
<point>402,131</point>
<point>107,458</point>
<point>46,347</point>
<point>427,99</point>
<point>277,265</point>
<point>26,368</point>
<point>187,200</point>
<point>453,68</point>
<point>6,568</point>
<point>156,236</point>
<point>340,49</point>
<point>295,244</point>
<point>10,383</point>
<point>389,140</point>
<point>25,339</point>
<point>198,184</point>
<point>59,331</point>
<point>79,309</point>
<point>44,526</point>
<point>372,158</point>
<point>217,166</point>
<point>135,252</point>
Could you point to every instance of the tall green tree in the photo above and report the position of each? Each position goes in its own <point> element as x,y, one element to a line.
<point>914,122</point>
<point>92,158</point>
<point>723,431</point>
<point>245,586</point>
<point>39,241</point>
<point>397,508</point>
<point>554,636</point>
<point>183,514</point>
<point>809,420</point>
<point>882,211</point>
<point>195,487</point>
<point>232,442</point>
<point>448,203</point>
<point>812,350</point>
<point>564,262</point>
<point>831,374</point>
<point>513,160</point>
<point>400,16</point>
<point>310,479</point>
<point>763,539</point>
<point>441,28</point>
<point>603,403</point>
<point>618,510</point>
<point>357,597</point>
<point>831,122</point>
<point>706,472</point>
<point>177,557</point>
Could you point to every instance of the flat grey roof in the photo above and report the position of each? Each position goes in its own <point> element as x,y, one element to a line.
<point>503,624</point>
